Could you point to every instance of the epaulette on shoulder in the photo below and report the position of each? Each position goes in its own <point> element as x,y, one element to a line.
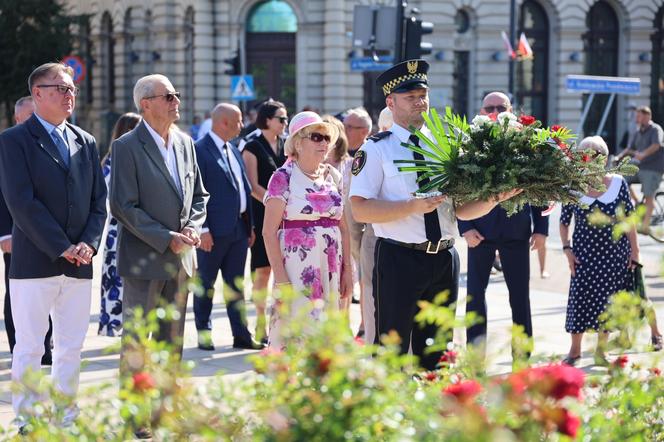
<point>380,135</point>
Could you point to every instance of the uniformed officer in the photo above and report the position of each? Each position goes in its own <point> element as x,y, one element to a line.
<point>511,236</point>
<point>414,257</point>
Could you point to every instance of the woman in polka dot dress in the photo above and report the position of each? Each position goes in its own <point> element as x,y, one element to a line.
<point>599,265</point>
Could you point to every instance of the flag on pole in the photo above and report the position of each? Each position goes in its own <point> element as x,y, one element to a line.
<point>508,45</point>
<point>524,50</point>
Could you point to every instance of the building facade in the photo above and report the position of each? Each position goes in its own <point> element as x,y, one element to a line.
<point>299,52</point>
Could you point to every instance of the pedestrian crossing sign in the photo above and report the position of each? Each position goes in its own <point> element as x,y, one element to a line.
<point>242,87</point>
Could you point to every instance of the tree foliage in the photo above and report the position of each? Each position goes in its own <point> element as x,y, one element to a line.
<point>33,32</point>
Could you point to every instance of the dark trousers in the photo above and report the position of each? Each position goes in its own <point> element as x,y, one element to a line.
<point>402,277</point>
<point>515,260</point>
<point>228,255</point>
<point>149,295</point>
<point>9,321</point>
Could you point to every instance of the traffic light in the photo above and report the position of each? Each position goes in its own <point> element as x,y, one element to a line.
<point>415,47</point>
<point>234,64</point>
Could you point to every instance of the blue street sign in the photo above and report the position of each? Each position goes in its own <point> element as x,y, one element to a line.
<point>364,64</point>
<point>77,65</point>
<point>242,87</point>
<point>603,85</point>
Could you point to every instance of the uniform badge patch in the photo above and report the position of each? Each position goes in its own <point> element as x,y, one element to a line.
<point>359,160</point>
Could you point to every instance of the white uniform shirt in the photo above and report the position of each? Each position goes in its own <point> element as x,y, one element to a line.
<point>380,179</point>
<point>235,168</point>
<point>168,154</point>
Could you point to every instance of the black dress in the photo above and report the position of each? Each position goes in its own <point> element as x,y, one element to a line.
<point>602,271</point>
<point>267,163</point>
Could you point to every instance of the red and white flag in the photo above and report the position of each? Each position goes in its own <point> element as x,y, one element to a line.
<point>508,45</point>
<point>523,49</point>
<point>548,210</point>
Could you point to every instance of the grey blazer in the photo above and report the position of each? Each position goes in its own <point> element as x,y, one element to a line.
<point>146,202</point>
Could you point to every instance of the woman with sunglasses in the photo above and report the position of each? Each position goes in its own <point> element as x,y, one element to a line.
<point>600,267</point>
<point>262,156</point>
<point>306,237</point>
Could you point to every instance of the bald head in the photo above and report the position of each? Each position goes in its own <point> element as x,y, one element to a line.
<point>226,121</point>
<point>495,102</point>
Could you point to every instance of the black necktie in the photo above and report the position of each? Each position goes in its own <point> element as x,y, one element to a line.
<point>431,224</point>
<point>229,164</point>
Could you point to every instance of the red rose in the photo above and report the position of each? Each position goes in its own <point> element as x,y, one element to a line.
<point>463,391</point>
<point>655,371</point>
<point>431,376</point>
<point>586,158</point>
<point>448,357</point>
<point>493,116</point>
<point>527,120</point>
<point>557,381</point>
<point>621,361</point>
<point>143,381</point>
<point>556,128</point>
<point>568,424</point>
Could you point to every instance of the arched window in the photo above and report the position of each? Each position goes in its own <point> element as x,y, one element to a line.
<point>657,83</point>
<point>189,64</point>
<point>107,60</point>
<point>270,51</point>
<point>601,58</point>
<point>532,75</point>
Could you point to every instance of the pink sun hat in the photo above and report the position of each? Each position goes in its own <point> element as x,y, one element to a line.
<point>306,119</point>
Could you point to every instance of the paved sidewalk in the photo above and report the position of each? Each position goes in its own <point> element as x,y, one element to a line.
<point>548,299</point>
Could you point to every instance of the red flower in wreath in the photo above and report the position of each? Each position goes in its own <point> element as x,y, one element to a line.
<point>464,391</point>
<point>143,381</point>
<point>556,128</point>
<point>527,120</point>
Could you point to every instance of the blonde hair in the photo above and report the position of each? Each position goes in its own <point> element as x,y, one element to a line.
<point>595,143</point>
<point>385,120</point>
<point>294,140</point>
<point>340,149</point>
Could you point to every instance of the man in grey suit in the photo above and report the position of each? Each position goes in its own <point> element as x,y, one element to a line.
<point>158,198</point>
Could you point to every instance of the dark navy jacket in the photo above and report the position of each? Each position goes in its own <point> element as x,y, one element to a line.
<point>52,206</point>
<point>497,226</point>
<point>6,221</point>
<point>223,207</point>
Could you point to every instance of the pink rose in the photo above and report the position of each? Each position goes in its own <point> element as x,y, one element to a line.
<point>321,202</point>
<point>278,183</point>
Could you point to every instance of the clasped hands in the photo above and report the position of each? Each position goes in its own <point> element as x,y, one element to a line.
<point>78,254</point>
<point>188,237</point>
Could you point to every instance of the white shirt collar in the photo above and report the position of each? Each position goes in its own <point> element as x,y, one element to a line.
<point>49,127</point>
<point>403,134</point>
<point>607,197</point>
<point>217,140</point>
<point>159,141</point>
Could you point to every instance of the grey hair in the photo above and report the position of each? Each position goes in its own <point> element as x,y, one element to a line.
<point>20,102</point>
<point>595,143</point>
<point>145,88</point>
<point>362,114</point>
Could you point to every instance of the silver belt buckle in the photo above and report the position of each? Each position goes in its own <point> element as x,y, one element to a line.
<point>433,252</point>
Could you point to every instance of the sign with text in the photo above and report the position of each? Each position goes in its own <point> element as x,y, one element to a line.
<point>365,64</point>
<point>603,85</point>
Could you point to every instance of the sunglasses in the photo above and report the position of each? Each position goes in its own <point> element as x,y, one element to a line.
<point>491,109</point>
<point>169,96</point>
<point>283,120</point>
<point>62,88</point>
<point>317,137</point>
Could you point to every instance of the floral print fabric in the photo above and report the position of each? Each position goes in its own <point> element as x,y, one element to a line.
<point>312,255</point>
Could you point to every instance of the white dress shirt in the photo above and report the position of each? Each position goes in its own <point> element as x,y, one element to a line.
<point>168,154</point>
<point>235,168</point>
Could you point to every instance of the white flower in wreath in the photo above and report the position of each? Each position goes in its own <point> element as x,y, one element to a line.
<point>478,122</point>
<point>506,116</point>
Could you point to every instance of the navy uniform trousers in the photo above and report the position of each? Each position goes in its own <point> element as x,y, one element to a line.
<point>515,260</point>
<point>402,277</point>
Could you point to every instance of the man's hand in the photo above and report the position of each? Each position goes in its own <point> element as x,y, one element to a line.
<point>6,245</point>
<point>537,241</point>
<point>426,205</point>
<point>191,233</point>
<point>473,238</point>
<point>180,242</point>
<point>84,253</point>
<point>75,254</point>
<point>206,242</point>
<point>252,237</point>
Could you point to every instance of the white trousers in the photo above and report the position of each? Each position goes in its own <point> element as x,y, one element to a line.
<point>67,300</point>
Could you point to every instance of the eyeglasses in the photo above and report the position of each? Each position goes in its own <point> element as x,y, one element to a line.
<point>282,120</point>
<point>317,137</point>
<point>491,109</point>
<point>169,96</point>
<point>349,126</point>
<point>62,88</point>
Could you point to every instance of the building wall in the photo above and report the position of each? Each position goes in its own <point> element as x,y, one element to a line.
<point>155,32</point>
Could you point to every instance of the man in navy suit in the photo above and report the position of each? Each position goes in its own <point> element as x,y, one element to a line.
<point>55,191</point>
<point>511,236</point>
<point>23,109</point>
<point>228,229</point>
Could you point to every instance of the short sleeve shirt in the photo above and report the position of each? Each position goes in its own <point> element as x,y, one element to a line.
<point>646,137</point>
<point>377,177</point>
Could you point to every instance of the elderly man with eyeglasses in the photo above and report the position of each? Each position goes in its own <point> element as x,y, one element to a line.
<point>158,198</point>
<point>54,188</point>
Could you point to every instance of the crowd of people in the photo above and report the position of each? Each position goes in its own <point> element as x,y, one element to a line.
<point>317,202</point>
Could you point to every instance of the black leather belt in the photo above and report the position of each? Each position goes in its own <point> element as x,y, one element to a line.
<point>428,246</point>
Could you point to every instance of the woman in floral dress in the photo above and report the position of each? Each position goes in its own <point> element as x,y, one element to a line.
<point>306,238</point>
<point>110,316</point>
